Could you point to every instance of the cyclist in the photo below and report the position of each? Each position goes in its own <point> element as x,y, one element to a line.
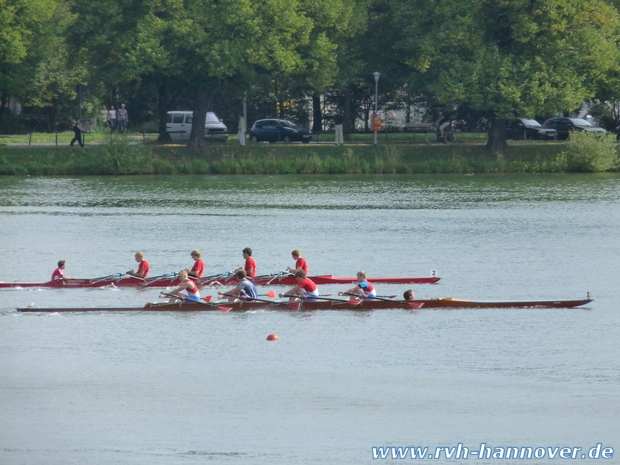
<point>442,123</point>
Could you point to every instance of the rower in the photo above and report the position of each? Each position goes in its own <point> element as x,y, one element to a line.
<point>300,262</point>
<point>199,265</point>
<point>250,264</point>
<point>143,267</point>
<point>408,295</point>
<point>363,287</point>
<point>305,286</point>
<point>245,288</point>
<point>58,274</point>
<point>193,295</point>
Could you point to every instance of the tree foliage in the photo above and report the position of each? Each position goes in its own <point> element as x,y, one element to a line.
<point>33,55</point>
<point>497,58</point>
<point>504,57</point>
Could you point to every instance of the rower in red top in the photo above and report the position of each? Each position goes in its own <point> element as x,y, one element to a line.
<point>363,287</point>
<point>305,286</point>
<point>58,274</point>
<point>300,263</point>
<point>199,265</point>
<point>143,267</point>
<point>250,264</point>
<point>193,295</point>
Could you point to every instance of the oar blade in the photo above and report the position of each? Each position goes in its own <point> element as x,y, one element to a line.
<point>207,298</point>
<point>224,309</point>
<point>415,304</point>
<point>271,294</point>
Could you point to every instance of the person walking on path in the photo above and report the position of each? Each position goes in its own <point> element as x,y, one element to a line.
<point>77,131</point>
<point>112,119</point>
<point>123,119</point>
<point>105,116</point>
<point>241,128</point>
<point>339,121</point>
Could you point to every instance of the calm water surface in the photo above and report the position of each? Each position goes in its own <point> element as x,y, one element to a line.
<point>149,388</point>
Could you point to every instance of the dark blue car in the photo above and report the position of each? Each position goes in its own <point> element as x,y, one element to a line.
<point>278,130</point>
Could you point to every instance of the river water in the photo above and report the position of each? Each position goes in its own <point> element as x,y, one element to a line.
<point>165,388</point>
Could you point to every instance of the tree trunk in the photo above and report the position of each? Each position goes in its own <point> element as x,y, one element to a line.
<point>348,128</point>
<point>197,141</point>
<point>162,111</point>
<point>50,118</point>
<point>497,135</point>
<point>317,114</point>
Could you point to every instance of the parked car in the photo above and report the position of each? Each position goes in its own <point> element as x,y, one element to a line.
<point>278,130</point>
<point>522,128</point>
<point>565,125</point>
<point>179,126</point>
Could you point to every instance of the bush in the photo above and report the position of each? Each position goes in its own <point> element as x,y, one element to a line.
<point>147,126</point>
<point>590,153</point>
<point>13,125</point>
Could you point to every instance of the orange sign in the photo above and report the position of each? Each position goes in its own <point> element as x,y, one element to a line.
<point>376,122</point>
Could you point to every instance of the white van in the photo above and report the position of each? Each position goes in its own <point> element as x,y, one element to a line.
<point>179,126</point>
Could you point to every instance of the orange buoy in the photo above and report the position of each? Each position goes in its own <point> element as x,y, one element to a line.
<point>272,337</point>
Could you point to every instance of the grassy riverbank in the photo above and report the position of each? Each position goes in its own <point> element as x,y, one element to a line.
<point>120,157</point>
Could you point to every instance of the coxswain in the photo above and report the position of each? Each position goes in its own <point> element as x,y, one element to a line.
<point>199,265</point>
<point>305,286</point>
<point>363,287</point>
<point>245,288</point>
<point>143,267</point>
<point>408,295</point>
<point>300,262</point>
<point>58,274</point>
<point>250,264</point>
<point>193,295</point>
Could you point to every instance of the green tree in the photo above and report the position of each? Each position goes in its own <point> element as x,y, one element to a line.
<point>33,66</point>
<point>503,57</point>
<point>206,46</point>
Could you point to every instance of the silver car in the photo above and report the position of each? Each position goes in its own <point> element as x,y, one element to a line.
<point>179,126</point>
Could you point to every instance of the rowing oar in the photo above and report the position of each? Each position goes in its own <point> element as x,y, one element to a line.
<point>273,294</point>
<point>281,274</point>
<point>183,298</point>
<point>98,280</point>
<point>206,280</point>
<point>321,297</point>
<point>402,302</point>
<point>129,276</point>
<point>291,305</point>
<point>154,279</point>
<point>264,275</point>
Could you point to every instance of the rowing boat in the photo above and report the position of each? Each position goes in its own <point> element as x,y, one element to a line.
<point>333,304</point>
<point>288,280</point>
<point>225,279</point>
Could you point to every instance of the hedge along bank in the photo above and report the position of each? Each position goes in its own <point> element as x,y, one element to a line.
<point>123,158</point>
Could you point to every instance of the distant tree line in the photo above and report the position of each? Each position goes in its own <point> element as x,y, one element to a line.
<point>472,59</point>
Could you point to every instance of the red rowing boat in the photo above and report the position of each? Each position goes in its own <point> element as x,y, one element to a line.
<point>224,279</point>
<point>331,304</point>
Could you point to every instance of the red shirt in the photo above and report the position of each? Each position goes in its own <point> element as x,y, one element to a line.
<point>307,285</point>
<point>198,268</point>
<point>302,263</point>
<point>144,265</point>
<point>250,264</point>
<point>57,274</point>
<point>193,289</point>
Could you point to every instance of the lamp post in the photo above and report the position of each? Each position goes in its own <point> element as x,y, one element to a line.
<point>376,74</point>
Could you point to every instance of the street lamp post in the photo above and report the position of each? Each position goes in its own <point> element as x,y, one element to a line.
<point>376,74</point>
